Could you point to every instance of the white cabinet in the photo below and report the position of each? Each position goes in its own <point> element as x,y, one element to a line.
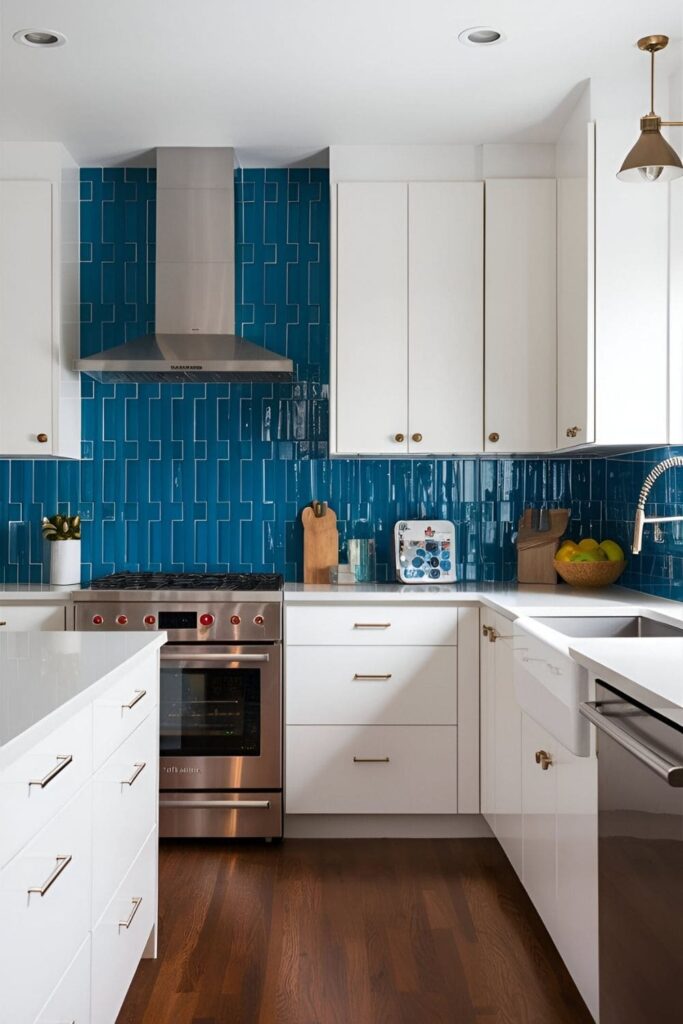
<point>501,779</point>
<point>520,314</point>
<point>539,808</point>
<point>407,318</point>
<point>613,296</point>
<point>39,404</point>
<point>26,615</point>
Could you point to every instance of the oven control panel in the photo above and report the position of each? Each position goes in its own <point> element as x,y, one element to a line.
<point>244,621</point>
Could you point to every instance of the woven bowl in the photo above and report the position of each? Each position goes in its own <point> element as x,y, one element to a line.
<point>589,574</point>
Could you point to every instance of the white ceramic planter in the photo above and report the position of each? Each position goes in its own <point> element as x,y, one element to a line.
<point>65,562</point>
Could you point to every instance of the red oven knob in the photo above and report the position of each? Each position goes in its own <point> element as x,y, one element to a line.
<point>150,620</point>
<point>97,620</point>
<point>207,619</point>
<point>235,620</point>
<point>122,620</point>
<point>258,620</point>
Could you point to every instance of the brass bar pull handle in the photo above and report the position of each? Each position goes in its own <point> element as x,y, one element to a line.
<point>139,694</point>
<point>383,675</point>
<point>485,630</point>
<point>62,862</point>
<point>573,431</point>
<point>544,759</point>
<point>138,766</point>
<point>136,901</point>
<point>3,622</point>
<point>371,625</point>
<point>63,761</point>
<point>371,760</point>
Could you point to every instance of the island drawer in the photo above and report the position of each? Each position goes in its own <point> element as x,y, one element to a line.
<point>70,1001</point>
<point>125,795</point>
<point>121,935</point>
<point>372,685</point>
<point>44,910</point>
<point>372,624</point>
<point>344,769</point>
<point>119,711</point>
<point>35,786</point>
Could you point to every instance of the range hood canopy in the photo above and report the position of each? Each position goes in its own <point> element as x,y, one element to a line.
<point>195,285</point>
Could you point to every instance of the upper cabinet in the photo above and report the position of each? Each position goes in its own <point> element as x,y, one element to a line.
<point>407,359</point>
<point>613,295</point>
<point>521,320</point>
<point>39,304</point>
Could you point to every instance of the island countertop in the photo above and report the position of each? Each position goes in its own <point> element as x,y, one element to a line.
<point>47,676</point>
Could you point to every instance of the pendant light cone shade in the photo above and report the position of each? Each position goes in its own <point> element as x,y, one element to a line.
<point>651,159</point>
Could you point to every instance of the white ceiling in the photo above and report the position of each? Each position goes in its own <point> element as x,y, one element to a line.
<point>304,74</point>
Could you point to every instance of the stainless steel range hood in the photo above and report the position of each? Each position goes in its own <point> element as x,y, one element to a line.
<point>195,285</point>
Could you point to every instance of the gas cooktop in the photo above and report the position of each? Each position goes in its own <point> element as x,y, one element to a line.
<point>231,581</point>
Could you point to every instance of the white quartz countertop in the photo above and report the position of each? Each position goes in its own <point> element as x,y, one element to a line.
<point>47,677</point>
<point>41,593</point>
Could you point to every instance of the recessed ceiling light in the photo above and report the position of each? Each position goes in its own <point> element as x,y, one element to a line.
<point>481,35</point>
<point>39,37</point>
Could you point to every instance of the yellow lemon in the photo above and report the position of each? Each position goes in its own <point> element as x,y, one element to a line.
<point>612,550</point>
<point>569,545</point>
<point>588,544</point>
<point>565,554</point>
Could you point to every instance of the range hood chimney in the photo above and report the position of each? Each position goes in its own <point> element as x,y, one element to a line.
<point>195,284</point>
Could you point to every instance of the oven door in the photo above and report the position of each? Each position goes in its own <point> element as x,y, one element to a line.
<point>221,717</point>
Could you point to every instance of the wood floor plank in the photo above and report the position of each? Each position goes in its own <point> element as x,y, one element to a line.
<point>348,932</point>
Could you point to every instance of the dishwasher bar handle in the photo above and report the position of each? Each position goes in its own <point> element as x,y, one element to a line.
<point>670,773</point>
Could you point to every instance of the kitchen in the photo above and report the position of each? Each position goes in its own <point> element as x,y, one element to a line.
<point>438,361</point>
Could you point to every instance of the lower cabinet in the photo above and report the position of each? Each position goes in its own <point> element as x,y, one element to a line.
<point>26,615</point>
<point>70,1001</point>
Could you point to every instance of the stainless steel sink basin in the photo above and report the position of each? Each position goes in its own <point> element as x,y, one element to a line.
<point>603,626</point>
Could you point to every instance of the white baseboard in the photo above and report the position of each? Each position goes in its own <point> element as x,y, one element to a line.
<point>385,826</point>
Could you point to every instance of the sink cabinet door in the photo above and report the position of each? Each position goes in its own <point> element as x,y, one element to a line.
<point>487,677</point>
<point>539,806</point>
<point>508,741</point>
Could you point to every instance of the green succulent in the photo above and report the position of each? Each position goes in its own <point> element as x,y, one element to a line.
<point>61,527</point>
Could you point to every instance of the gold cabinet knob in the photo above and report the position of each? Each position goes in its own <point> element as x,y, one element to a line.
<point>417,438</point>
<point>493,437</point>
<point>544,759</point>
<point>399,438</point>
<point>573,431</point>
<point>42,438</point>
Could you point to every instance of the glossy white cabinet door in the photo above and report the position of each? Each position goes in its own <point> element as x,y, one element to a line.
<point>539,803</point>
<point>29,616</point>
<point>371,348</point>
<point>445,316</point>
<point>26,317</point>
<point>507,754</point>
<point>70,1002</point>
<point>487,678</point>
<point>520,312</point>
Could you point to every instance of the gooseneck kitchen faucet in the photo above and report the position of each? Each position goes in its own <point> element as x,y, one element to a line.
<point>641,518</point>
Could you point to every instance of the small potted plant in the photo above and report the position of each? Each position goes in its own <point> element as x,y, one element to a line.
<point>65,558</point>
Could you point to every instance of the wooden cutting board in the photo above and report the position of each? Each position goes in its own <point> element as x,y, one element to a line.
<point>321,542</point>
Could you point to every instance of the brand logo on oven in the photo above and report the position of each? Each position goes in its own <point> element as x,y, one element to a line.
<point>186,366</point>
<point>175,770</point>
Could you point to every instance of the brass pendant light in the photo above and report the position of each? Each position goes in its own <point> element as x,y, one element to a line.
<point>652,158</point>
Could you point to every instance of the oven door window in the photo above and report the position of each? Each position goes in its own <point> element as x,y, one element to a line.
<point>210,711</point>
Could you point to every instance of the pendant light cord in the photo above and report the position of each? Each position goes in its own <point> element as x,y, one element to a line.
<point>652,82</point>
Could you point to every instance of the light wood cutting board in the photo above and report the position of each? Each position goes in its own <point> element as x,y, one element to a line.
<point>321,543</point>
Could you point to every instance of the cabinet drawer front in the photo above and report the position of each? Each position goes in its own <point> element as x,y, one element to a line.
<point>40,934</point>
<point>124,810</point>
<point>23,616</point>
<point>372,686</point>
<point>121,935</point>
<point>372,625</point>
<point>121,709</point>
<point>34,787</point>
<point>400,769</point>
<point>71,999</point>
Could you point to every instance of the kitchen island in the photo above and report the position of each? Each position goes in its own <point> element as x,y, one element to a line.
<point>78,821</point>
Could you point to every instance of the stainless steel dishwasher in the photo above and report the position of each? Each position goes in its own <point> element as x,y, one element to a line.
<point>640,860</point>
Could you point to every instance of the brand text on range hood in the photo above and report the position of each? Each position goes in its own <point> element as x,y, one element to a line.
<point>195,284</point>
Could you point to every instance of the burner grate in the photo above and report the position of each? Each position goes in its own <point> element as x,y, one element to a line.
<point>189,581</point>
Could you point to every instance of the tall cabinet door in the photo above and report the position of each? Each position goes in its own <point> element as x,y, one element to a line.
<point>26,321</point>
<point>371,400</point>
<point>521,324</point>
<point>445,316</point>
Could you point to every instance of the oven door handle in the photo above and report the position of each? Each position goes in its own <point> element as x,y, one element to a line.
<point>208,804</point>
<point>214,657</point>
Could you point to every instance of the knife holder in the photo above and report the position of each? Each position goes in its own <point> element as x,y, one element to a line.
<point>536,549</point>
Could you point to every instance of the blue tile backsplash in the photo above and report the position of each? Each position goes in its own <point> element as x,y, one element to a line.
<point>213,477</point>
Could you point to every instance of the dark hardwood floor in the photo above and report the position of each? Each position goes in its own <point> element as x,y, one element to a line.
<point>349,932</point>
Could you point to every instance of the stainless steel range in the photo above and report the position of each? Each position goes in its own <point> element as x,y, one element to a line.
<point>221,692</point>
